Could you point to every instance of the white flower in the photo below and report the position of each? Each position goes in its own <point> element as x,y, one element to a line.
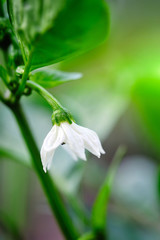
<point>75,138</point>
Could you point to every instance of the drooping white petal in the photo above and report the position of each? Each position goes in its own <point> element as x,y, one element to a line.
<point>90,138</point>
<point>74,141</point>
<point>47,157</point>
<point>92,142</point>
<point>53,139</point>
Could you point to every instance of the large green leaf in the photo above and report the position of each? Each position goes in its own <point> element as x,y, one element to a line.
<point>50,78</point>
<point>52,31</point>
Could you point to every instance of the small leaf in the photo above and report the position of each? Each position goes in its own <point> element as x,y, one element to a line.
<point>101,203</point>
<point>50,78</point>
<point>52,31</point>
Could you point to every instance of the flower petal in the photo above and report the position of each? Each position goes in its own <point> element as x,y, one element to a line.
<point>74,140</point>
<point>90,138</point>
<point>47,157</point>
<point>53,139</point>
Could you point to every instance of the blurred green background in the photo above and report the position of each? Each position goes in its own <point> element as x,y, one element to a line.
<point>119,98</point>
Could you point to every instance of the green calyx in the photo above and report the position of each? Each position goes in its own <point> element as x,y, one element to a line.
<point>60,116</point>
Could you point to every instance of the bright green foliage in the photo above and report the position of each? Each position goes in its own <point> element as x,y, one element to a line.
<point>52,31</point>
<point>49,78</point>
<point>146,97</point>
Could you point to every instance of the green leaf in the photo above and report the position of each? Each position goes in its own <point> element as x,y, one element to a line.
<point>52,31</point>
<point>101,202</point>
<point>50,78</point>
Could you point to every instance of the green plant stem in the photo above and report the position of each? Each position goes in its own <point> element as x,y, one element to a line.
<point>45,94</point>
<point>49,187</point>
<point>24,77</point>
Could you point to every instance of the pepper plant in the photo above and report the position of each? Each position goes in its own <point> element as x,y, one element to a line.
<point>36,34</point>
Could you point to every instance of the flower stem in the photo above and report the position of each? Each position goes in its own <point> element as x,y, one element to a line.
<point>49,187</point>
<point>45,94</point>
<point>24,77</point>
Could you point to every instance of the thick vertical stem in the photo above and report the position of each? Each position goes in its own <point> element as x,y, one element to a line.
<point>50,189</point>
